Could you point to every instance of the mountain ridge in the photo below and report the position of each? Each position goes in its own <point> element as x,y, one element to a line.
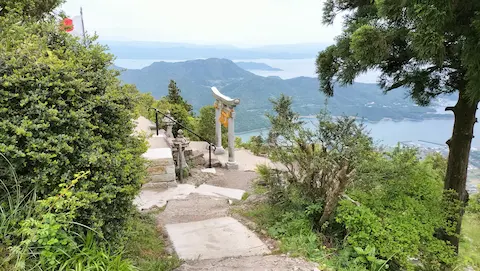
<point>196,77</point>
<point>176,51</point>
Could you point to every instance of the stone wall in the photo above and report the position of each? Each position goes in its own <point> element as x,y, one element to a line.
<point>161,168</point>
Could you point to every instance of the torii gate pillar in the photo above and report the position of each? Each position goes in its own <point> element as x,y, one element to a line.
<point>225,114</point>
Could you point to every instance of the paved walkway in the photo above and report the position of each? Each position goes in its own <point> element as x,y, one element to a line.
<point>196,218</point>
<point>246,160</point>
<point>203,235</point>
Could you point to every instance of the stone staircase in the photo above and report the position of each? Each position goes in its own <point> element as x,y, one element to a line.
<point>196,217</point>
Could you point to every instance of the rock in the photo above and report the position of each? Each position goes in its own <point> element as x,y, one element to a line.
<point>209,170</point>
<point>197,158</point>
<point>215,163</point>
<point>256,198</point>
<point>169,250</point>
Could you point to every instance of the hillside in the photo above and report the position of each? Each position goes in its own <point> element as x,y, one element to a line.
<point>195,78</point>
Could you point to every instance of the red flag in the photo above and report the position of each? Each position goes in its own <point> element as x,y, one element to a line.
<point>73,25</point>
<point>67,25</point>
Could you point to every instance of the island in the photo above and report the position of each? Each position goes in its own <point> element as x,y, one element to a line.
<point>256,66</point>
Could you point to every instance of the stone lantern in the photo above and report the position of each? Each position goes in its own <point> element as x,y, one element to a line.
<point>180,144</point>
<point>169,121</point>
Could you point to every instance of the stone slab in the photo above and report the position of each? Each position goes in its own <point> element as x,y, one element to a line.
<point>158,153</point>
<point>206,189</point>
<point>159,141</point>
<point>160,185</point>
<point>213,239</point>
<point>251,263</point>
<point>168,177</point>
<point>232,165</point>
<point>149,198</point>
<point>194,208</point>
<point>209,170</point>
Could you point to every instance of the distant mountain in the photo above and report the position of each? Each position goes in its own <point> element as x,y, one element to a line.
<point>195,78</point>
<point>176,51</point>
<point>256,66</point>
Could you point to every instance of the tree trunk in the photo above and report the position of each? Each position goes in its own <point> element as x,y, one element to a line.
<point>459,145</point>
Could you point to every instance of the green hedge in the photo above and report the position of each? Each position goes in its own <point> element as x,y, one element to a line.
<point>62,111</point>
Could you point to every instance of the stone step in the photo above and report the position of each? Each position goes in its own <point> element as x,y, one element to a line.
<point>213,239</point>
<point>150,198</point>
<point>159,141</point>
<point>161,168</point>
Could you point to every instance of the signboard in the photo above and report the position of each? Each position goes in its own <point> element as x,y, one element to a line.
<point>224,117</point>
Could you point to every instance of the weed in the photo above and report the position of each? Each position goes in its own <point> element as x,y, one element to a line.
<point>146,246</point>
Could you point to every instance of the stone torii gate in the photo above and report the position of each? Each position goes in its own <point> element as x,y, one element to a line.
<point>225,115</point>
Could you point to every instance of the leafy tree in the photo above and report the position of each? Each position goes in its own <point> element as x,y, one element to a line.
<point>62,111</point>
<point>174,96</point>
<point>284,117</point>
<point>321,163</point>
<point>33,9</point>
<point>206,125</point>
<point>428,47</point>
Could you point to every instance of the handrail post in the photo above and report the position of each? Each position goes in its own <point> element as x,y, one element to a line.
<point>209,155</point>
<point>210,143</point>
<point>156,120</point>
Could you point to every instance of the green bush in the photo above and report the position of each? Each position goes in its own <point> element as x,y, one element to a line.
<point>62,110</point>
<point>44,234</point>
<point>146,245</point>
<point>400,212</point>
<point>474,204</point>
<point>256,145</point>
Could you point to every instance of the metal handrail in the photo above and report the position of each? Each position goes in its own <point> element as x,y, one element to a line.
<point>210,144</point>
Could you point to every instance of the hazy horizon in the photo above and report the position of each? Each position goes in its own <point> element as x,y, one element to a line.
<point>247,23</point>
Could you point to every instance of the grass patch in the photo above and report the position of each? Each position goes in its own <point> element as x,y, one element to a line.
<point>470,243</point>
<point>245,196</point>
<point>146,246</point>
<point>292,228</point>
<point>259,189</point>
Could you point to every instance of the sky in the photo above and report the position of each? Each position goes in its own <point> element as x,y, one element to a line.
<point>242,23</point>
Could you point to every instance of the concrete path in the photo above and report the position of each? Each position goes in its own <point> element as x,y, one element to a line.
<point>252,263</point>
<point>201,232</point>
<point>214,239</point>
<point>206,238</point>
<point>150,198</point>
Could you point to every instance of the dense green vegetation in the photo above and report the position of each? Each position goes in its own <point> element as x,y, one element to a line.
<point>69,167</point>
<point>146,245</point>
<point>345,204</point>
<point>428,47</point>
<point>196,76</point>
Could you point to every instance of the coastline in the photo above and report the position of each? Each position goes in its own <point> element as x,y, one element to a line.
<point>364,120</point>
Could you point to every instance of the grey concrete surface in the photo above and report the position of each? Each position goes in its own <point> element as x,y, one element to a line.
<point>213,239</point>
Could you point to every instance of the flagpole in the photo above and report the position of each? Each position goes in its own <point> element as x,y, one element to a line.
<point>83,25</point>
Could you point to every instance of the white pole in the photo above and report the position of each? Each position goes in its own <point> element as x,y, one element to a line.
<point>83,25</point>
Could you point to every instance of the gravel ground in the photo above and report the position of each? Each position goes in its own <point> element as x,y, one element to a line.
<point>224,178</point>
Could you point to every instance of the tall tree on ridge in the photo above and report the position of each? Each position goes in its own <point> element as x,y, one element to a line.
<point>175,97</point>
<point>429,47</point>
